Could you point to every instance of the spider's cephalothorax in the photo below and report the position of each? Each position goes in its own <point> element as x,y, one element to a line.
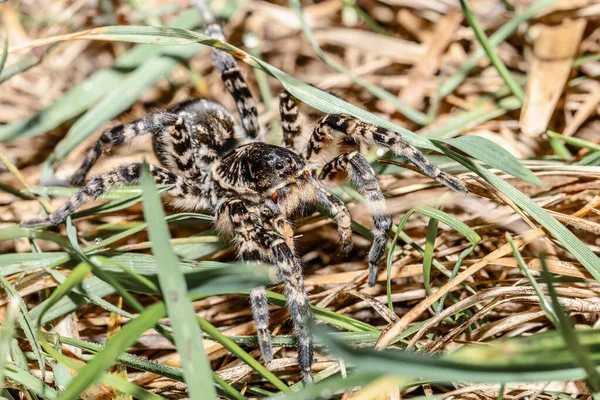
<point>256,190</point>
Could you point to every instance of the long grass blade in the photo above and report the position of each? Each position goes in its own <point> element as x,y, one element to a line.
<point>188,336</point>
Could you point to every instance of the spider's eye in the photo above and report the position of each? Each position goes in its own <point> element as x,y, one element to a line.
<point>279,165</point>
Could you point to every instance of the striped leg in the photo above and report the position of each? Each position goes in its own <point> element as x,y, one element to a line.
<point>185,194</point>
<point>235,83</point>
<point>116,136</point>
<point>355,167</point>
<point>255,242</point>
<point>260,314</point>
<point>329,126</point>
<point>340,215</point>
<point>290,122</point>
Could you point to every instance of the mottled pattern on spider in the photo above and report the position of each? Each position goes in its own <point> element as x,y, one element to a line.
<point>256,190</point>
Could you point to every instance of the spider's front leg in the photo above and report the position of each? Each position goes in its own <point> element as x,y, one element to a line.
<point>326,129</point>
<point>355,167</point>
<point>340,215</point>
<point>118,135</point>
<point>184,194</point>
<point>255,242</point>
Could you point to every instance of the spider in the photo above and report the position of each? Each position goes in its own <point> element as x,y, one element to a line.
<point>256,190</point>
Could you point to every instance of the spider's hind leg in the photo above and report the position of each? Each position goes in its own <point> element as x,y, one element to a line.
<point>234,82</point>
<point>290,121</point>
<point>355,167</point>
<point>362,132</point>
<point>185,194</point>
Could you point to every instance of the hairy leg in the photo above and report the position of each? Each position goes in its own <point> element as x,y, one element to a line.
<point>330,126</point>
<point>234,81</point>
<point>290,122</point>
<point>185,194</point>
<point>255,242</point>
<point>150,124</point>
<point>340,215</point>
<point>355,167</point>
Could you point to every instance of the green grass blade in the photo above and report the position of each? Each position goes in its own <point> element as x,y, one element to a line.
<point>582,143</point>
<point>119,100</point>
<point>26,323</point>
<point>433,213</point>
<point>482,112</point>
<point>4,55</point>
<point>544,303</point>
<point>482,149</point>
<point>126,337</point>
<point>22,262</point>
<point>129,388</point>
<point>504,73</point>
<point>75,278</point>
<point>467,367</point>
<point>565,327</point>
<point>92,89</point>
<point>430,236</point>
<point>7,334</point>
<point>409,112</point>
<point>188,336</point>
<point>498,37</point>
<point>26,380</point>
<point>341,321</point>
<point>576,247</point>
<point>215,278</point>
<point>241,354</point>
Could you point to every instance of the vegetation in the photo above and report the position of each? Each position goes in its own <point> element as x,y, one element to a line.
<point>490,295</point>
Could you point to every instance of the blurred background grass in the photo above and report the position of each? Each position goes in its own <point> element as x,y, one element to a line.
<point>521,74</point>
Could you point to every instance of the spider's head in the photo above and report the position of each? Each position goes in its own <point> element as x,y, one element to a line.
<point>269,172</point>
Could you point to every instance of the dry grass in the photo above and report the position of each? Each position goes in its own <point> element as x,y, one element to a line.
<point>429,41</point>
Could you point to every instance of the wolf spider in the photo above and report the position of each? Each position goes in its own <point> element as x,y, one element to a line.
<point>256,190</point>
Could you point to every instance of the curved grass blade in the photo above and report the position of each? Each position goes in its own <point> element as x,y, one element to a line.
<point>330,317</point>
<point>516,90</point>
<point>143,364</point>
<point>451,368</point>
<point>498,37</point>
<point>566,329</point>
<point>26,323</point>
<point>204,279</point>
<point>544,303</point>
<point>576,247</point>
<point>308,94</point>
<point>409,112</point>
<point>236,350</point>
<point>128,388</point>
<point>430,236</point>
<point>4,55</point>
<point>6,334</point>
<point>94,88</point>
<point>25,379</point>
<point>22,262</point>
<point>188,336</point>
<point>490,153</point>
<point>126,337</point>
<point>438,215</point>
